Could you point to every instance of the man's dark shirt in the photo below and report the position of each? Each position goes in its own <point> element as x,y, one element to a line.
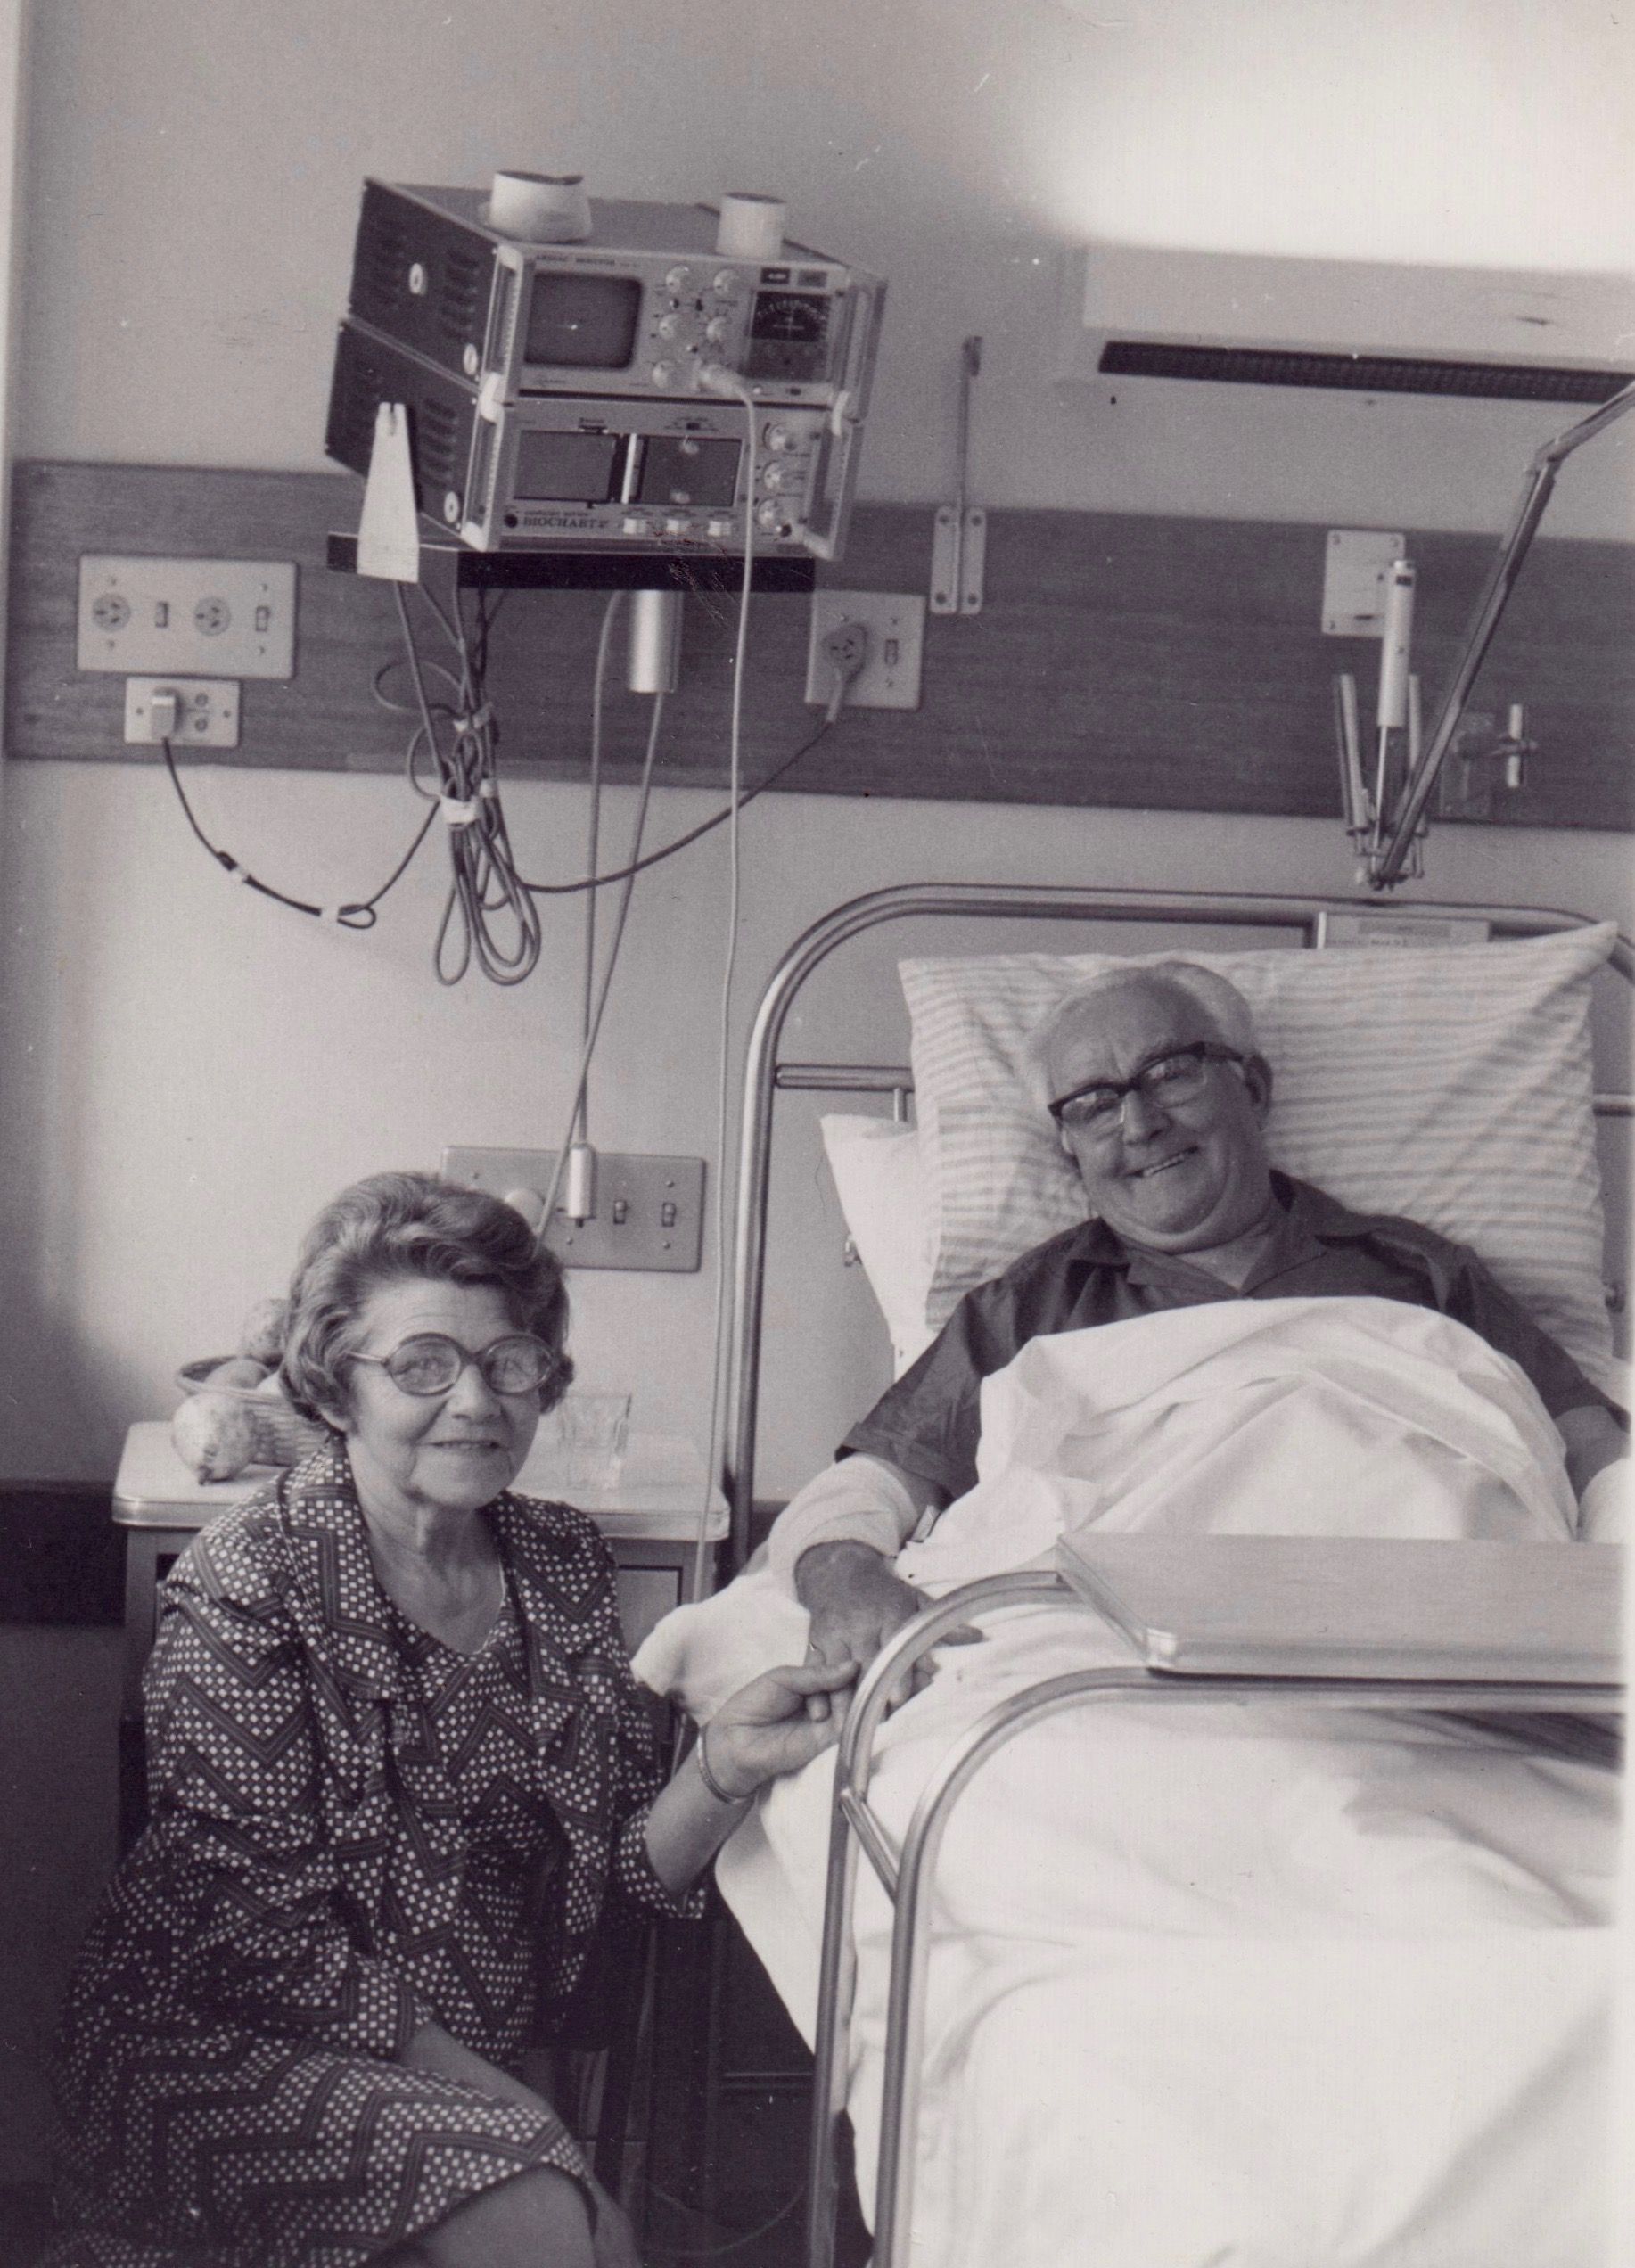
<point>929,1422</point>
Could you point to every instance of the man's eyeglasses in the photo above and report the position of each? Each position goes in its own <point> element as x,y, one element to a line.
<point>430,1363</point>
<point>1178,1077</point>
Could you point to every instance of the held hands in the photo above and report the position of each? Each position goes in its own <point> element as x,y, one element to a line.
<point>856,1603</point>
<point>766,1728</point>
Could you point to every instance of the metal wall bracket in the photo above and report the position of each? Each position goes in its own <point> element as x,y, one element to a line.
<point>960,537</point>
<point>958,545</point>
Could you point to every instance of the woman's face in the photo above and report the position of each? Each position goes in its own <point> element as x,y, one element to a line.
<point>448,1453</point>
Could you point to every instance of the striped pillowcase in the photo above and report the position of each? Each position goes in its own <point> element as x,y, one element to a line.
<point>1451,1084</point>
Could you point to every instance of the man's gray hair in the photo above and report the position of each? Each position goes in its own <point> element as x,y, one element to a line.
<point>1224,1006</point>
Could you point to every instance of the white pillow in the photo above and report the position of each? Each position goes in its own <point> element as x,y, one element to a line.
<point>875,1162</point>
<point>1451,1084</point>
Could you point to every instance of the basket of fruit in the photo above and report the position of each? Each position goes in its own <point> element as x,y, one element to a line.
<point>233,1411</point>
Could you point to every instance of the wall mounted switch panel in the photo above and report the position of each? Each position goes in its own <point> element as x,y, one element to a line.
<point>189,712</point>
<point>649,1210</point>
<point>199,618</point>
<point>1357,564</point>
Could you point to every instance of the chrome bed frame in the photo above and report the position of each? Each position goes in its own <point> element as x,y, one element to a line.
<point>908,1874</point>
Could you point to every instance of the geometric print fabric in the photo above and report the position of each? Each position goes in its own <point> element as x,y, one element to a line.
<point>352,1831</point>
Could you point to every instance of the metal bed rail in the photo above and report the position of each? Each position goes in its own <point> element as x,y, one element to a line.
<point>765,1076</point>
<point>908,1876</point>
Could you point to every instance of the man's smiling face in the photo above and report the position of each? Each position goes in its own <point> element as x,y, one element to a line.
<point>1174,1176</point>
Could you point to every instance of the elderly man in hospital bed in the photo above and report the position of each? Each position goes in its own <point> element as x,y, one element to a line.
<point>1160,1096</point>
<point>1216,1986</point>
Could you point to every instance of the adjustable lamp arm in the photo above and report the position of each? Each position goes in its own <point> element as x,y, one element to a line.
<point>1536,487</point>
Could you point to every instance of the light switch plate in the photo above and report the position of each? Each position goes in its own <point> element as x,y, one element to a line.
<point>193,617</point>
<point>649,1210</point>
<point>1356,563</point>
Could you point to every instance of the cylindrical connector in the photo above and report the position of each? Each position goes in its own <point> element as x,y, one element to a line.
<point>655,641</point>
<point>578,1184</point>
<point>1396,641</point>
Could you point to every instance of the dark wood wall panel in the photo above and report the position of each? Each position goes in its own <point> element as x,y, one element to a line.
<point>1164,663</point>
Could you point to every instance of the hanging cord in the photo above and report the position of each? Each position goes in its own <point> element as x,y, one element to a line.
<point>580,1129</point>
<point>721,1322</point>
<point>593,1028</point>
<point>721,2250</point>
<point>694,834</point>
<point>484,882</point>
<point>354,913</point>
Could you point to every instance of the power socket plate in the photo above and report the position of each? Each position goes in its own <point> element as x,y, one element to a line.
<point>205,711</point>
<point>895,622</point>
<point>650,1211</point>
<point>220,618</point>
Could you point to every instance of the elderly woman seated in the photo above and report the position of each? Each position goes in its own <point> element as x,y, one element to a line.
<point>398,1772</point>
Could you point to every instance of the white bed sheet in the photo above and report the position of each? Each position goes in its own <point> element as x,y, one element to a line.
<point>1212,1991</point>
<point>1215,1987</point>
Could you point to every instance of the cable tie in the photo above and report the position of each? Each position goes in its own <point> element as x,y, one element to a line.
<point>331,913</point>
<point>490,788</point>
<point>457,813</point>
<point>231,865</point>
<point>478,718</point>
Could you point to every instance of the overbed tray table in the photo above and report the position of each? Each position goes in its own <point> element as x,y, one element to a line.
<point>1528,1634</point>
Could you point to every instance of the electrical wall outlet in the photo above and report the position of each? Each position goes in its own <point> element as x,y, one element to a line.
<point>649,1210</point>
<point>192,712</point>
<point>226,618</point>
<point>895,624</point>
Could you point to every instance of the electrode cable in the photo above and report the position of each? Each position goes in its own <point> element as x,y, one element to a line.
<point>594,1026</point>
<point>358,914</point>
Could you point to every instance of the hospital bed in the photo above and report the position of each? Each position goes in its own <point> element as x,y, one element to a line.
<point>1524,1018</point>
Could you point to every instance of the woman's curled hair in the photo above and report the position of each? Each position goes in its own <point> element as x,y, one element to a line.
<point>393,1226</point>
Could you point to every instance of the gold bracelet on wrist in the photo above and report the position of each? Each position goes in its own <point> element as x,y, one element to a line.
<point>709,1779</point>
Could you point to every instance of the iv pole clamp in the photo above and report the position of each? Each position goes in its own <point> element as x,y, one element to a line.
<point>1385,860</point>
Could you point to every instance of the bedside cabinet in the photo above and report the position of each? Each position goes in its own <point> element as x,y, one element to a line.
<point>650,1514</point>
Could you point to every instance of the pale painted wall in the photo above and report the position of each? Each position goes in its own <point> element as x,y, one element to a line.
<point>196,180</point>
<point>191,1070</point>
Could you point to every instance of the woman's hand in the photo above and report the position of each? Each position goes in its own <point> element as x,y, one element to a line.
<point>764,1729</point>
<point>761,1731</point>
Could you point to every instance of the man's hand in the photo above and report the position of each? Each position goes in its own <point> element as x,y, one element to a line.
<point>855,1604</point>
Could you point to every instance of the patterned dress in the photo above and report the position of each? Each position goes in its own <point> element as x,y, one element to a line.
<point>354,1831</point>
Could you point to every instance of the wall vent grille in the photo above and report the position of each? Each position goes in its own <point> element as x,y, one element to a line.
<point>1366,374</point>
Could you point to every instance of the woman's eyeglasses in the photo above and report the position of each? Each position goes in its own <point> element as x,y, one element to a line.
<point>430,1363</point>
<point>1179,1076</point>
